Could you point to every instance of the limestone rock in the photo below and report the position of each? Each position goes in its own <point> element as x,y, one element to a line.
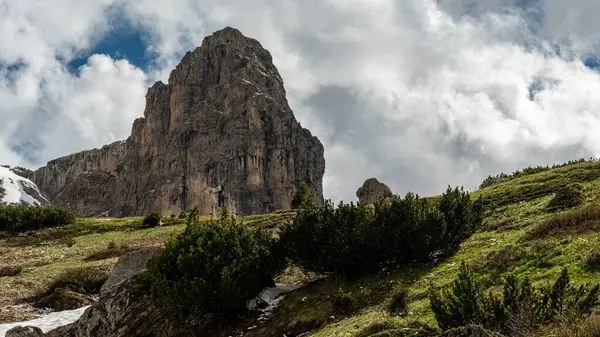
<point>129,265</point>
<point>470,331</point>
<point>219,132</point>
<point>120,312</point>
<point>27,331</point>
<point>373,191</point>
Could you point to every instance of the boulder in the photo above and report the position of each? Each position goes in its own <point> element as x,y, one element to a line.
<point>373,191</point>
<point>120,312</point>
<point>24,331</point>
<point>129,265</point>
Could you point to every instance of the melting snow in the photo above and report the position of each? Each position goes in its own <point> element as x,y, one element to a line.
<point>49,321</point>
<point>272,296</point>
<point>16,187</point>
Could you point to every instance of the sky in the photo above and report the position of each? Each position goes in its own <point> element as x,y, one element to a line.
<point>420,94</point>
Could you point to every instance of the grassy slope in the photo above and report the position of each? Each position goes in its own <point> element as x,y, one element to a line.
<point>51,251</point>
<point>497,249</point>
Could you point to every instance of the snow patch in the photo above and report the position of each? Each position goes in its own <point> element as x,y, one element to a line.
<point>19,190</point>
<point>47,322</point>
<point>272,297</point>
<point>263,73</point>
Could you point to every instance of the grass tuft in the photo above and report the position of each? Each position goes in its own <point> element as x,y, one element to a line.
<point>10,271</point>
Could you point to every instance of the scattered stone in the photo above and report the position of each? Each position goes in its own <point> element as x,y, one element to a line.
<point>373,191</point>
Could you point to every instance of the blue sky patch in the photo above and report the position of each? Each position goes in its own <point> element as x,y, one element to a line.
<point>592,62</point>
<point>123,41</point>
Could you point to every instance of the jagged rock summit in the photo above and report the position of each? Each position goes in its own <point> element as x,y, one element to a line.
<point>219,133</point>
<point>373,191</point>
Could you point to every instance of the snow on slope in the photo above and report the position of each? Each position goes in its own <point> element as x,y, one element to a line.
<point>15,189</point>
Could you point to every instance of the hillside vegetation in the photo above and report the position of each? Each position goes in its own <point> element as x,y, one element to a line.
<point>530,230</point>
<point>538,224</point>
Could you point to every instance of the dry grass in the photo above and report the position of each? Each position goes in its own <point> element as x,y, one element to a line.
<point>589,327</point>
<point>577,221</point>
<point>112,250</point>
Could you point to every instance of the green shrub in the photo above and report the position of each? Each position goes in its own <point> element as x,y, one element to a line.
<point>593,260</point>
<point>466,303</point>
<point>152,219</point>
<point>182,215</point>
<point>85,280</point>
<point>21,218</point>
<point>355,239</point>
<point>398,302</point>
<point>10,271</point>
<point>213,268</point>
<point>342,301</point>
<point>568,196</point>
<point>304,197</point>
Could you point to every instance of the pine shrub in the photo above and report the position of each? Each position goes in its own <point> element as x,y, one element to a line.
<point>569,196</point>
<point>356,239</point>
<point>304,197</point>
<point>22,218</point>
<point>465,302</point>
<point>213,268</point>
<point>152,219</point>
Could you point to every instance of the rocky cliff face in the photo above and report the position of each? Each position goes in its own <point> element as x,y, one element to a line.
<point>219,133</point>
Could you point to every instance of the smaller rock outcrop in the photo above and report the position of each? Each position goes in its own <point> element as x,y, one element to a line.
<point>25,331</point>
<point>373,191</point>
<point>129,265</point>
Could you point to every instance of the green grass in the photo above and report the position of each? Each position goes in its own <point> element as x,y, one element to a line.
<point>502,246</point>
<point>43,256</point>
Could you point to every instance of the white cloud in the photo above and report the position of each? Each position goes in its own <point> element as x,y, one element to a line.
<point>419,93</point>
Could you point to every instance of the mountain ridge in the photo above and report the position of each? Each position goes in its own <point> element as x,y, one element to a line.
<point>220,132</point>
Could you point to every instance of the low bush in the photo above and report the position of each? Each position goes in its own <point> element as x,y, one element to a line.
<point>10,271</point>
<point>152,219</point>
<point>398,302</point>
<point>593,260</point>
<point>21,218</point>
<point>568,196</point>
<point>575,221</point>
<point>213,268</point>
<point>342,301</point>
<point>347,302</point>
<point>355,239</point>
<point>112,250</point>
<point>304,197</point>
<point>465,302</point>
<point>84,280</point>
<point>63,299</point>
